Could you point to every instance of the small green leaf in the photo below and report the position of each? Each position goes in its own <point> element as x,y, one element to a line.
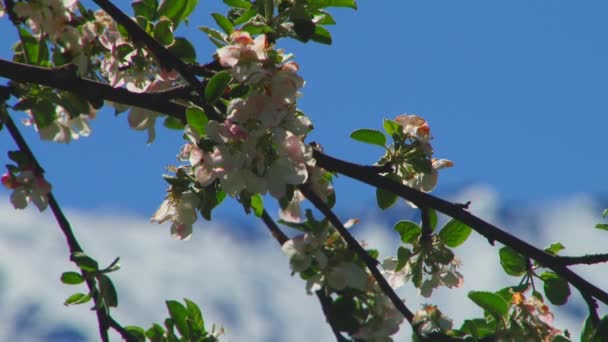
<point>391,127</point>
<point>246,16</point>
<point>179,315</point>
<point>183,49</point>
<point>85,262</point>
<point>238,3</point>
<point>321,35</point>
<point>408,230</point>
<point>108,291</point>
<point>145,8</point>
<point>257,204</point>
<point>556,288</point>
<point>369,136</point>
<point>454,233</point>
<point>332,3</point>
<point>155,333</point>
<point>136,332</point>
<point>77,298</point>
<point>71,278</point>
<point>173,123</point>
<point>602,226</point>
<point>197,119</point>
<point>605,213</point>
<point>591,333</point>
<point>217,85</point>
<point>163,32</point>
<point>223,22</point>
<point>385,199</point>
<point>176,10</point>
<point>195,317</point>
<point>512,262</point>
<point>555,248</point>
<point>492,303</point>
<point>403,255</point>
<point>433,219</point>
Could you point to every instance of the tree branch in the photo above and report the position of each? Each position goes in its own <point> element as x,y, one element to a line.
<point>370,262</point>
<point>491,232</point>
<point>588,259</point>
<point>65,78</point>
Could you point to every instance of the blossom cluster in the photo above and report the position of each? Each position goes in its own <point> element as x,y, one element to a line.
<point>430,265</point>
<point>258,146</point>
<point>27,186</point>
<point>412,154</point>
<point>529,320</point>
<point>323,259</point>
<point>63,128</point>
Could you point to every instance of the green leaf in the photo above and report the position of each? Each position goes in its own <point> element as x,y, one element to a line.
<point>322,17</point>
<point>605,213</point>
<point>555,248</point>
<point>246,16</point>
<point>173,123</point>
<point>197,119</point>
<point>408,230</point>
<point>195,317</point>
<point>163,32</point>
<point>391,127</point>
<point>77,298</point>
<point>492,303</point>
<point>321,35</point>
<point>602,226</point>
<point>403,255</point>
<point>71,278</point>
<point>223,22</point>
<point>454,233</point>
<point>432,219</point>
<point>369,136</point>
<point>183,49</point>
<point>332,3</point>
<point>254,28</point>
<point>176,10</point>
<point>145,8</point>
<point>136,332</point>
<point>30,47</point>
<point>217,85</point>
<point>108,291</point>
<point>85,262</point>
<point>179,315</point>
<point>238,3</point>
<point>556,288</point>
<point>155,333</point>
<point>512,262</point>
<point>591,333</point>
<point>385,199</point>
<point>478,328</point>
<point>257,204</point>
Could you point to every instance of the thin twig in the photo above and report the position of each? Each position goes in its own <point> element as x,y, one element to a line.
<point>370,262</point>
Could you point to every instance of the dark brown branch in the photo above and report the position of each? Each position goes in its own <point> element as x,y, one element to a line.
<point>104,320</point>
<point>588,259</point>
<point>65,78</point>
<point>370,262</point>
<point>491,232</point>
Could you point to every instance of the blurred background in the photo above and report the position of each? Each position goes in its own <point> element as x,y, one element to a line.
<point>515,94</point>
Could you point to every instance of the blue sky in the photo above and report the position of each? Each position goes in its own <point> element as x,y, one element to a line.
<point>515,93</point>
